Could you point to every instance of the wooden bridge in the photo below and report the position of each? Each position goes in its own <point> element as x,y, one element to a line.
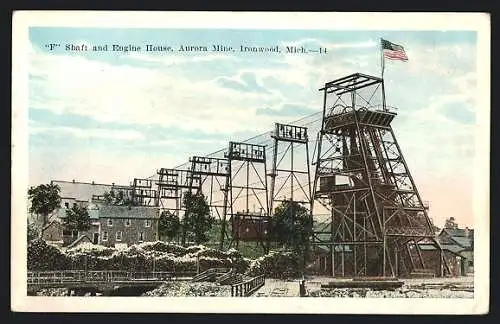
<point>240,286</point>
<point>100,280</point>
<point>81,281</point>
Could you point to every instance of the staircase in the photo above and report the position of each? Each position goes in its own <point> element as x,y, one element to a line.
<point>418,269</point>
<point>212,274</point>
<point>241,285</point>
<point>230,278</point>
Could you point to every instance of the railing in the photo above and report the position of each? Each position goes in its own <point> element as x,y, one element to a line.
<point>246,288</point>
<point>208,272</point>
<point>44,277</point>
<point>231,273</point>
<point>55,276</point>
<point>235,279</point>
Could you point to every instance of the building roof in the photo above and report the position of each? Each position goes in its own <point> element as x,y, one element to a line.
<point>462,241</point>
<point>460,236</point>
<point>453,248</point>
<point>460,232</point>
<point>52,223</point>
<point>83,191</point>
<point>81,239</point>
<point>144,212</point>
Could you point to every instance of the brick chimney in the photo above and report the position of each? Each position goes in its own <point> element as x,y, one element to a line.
<point>467,232</point>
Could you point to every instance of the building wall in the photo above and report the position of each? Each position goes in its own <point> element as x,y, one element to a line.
<point>54,232</point>
<point>469,259</point>
<point>454,262</point>
<point>129,234</point>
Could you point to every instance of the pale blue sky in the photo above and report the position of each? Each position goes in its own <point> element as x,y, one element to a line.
<point>113,116</point>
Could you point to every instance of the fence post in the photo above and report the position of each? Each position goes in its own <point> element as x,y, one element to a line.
<point>302,290</point>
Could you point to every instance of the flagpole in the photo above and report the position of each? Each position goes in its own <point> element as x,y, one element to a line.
<point>382,61</point>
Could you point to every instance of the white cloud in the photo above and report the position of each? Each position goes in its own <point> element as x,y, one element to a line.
<point>121,93</point>
<point>89,133</point>
<point>180,142</point>
<point>85,164</point>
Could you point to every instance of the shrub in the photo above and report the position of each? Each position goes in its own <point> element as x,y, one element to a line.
<point>160,246</point>
<point>276,264</point>
<point>45,257</point>
<point>165,256</point>
<point>91,249</point>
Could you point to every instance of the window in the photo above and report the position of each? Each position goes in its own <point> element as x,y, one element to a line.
<point>119,236</point>
<point>127,222</point>
<point>110,222</point>
<point>66,233</point>
<point>104,236</point>
<point>141,236</point>
<point>147,223</point>
<point>66,205</point>
<point>74,233</point>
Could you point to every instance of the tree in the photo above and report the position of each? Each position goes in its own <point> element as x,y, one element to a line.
<point>32,232</point>
<point>118,199</point>
<point>44,201</point>
<point>291,227</point>
<point>77,219</point>
<point>197,220</point>
<point>450,223</point>
<point>169,225</point>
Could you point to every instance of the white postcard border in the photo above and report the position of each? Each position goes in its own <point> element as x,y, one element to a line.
<point>327,21</point>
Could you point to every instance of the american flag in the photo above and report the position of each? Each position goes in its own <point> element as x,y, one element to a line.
<point>393,51</point>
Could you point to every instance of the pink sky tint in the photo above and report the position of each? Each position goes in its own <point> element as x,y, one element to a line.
<point>449,196</point>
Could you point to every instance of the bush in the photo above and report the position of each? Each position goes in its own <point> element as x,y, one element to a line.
<point>276,264</point>
<point>165,256</point>
<point>45,257</point>
<point>194,249</point>
<point>160,246</point>
<point>91,249</point>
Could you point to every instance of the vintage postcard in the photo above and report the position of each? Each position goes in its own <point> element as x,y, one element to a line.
<point>250,162</point>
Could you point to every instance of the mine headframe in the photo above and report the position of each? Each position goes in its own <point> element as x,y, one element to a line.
<point>363,181</point>
<point>115,192</point>
<point>172,184</point>
<point>144,193</point>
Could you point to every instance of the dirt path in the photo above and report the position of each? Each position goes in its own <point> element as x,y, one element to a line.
<point>278,288</point>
